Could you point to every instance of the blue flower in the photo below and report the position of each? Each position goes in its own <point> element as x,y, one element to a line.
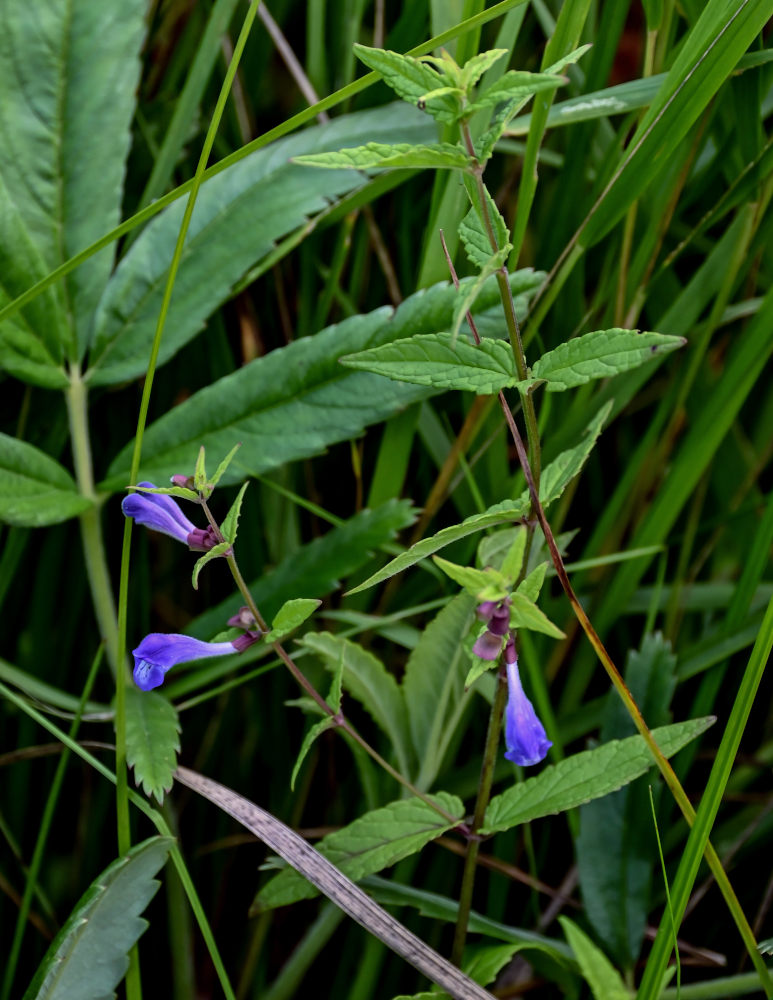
<point>524,733</point>
<point>160,512</point>
<point>158,652</point>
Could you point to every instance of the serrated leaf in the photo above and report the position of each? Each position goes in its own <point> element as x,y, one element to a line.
<point>516,86</point>
<point>230,525</point>
<point>599,973</point>
<point>474,235</point>
<point>316,730</point>
<point>297,400</point>
<point>443,361</point>
<point>600,355</point>
<point>525,614</point>
<point>474,68</point>
<point>410,79</point>
<point>152,740</point>
<point>34,489</point>
<point>89,956</point>
<point>375,841</point>
<point>377,155</point>
<point>217,550</point>
<point>475,581</point>
<point>367,680</point>
<point>220,470</point>
<point>531,585</point>
<point>585,776</point>
<point>292,614</point>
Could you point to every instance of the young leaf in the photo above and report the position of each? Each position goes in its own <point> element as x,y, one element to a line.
<point>585,776</point>
<point>479,666</point>
<point>374,841</point>
<point>513,561</point>
<point>443,361</point>
<point>231,523</point>
<point>170,491</point>
<point>334,700</point>
<point>525,614</point>
<point>90,955</point>
<point>34,489</point>
<point>571,57</point>
<point>410,79</point>
<point>599,355</point>
<point>376,155</point>
<point>152,740</point>
<point>531,585</point>
<point>514,86</point>
<point>220,470</point>
<point>474,234</point>
<point>603,978</point>
<point>474,68</point>
<point>477,582</point>
<point>292,614</point>
<point>217,550</point>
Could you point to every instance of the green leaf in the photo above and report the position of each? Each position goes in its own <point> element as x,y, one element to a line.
<point>441,360</point>
<point>89,956</point>
<point>585,776</point>
<point>477,582</point>
<point>334,700</point>
<point>376,155</point>
<point>34,489</point>
<point>515,85</point>
<point>531,585</point>
<point>513,561</point>
<point>171,491</point>
<point>600,355</point>
<point>375,841</point>
<point>499,513</point>
<point>474,68</point>
<point>68,75</point>
<point>292,614</point>
<point>467,297</point>
<point>152,740</point>
<point>599,973</point>
<point>200,472</point>
<point>215,552</point>
<point>240,215</point>
<point>561,471</point>
<point>525,614</point>
<point>367,680</point>
<point>410,79</point>
<point>297,400</point>
<point>220,470</point>
<point>231,523</point>
<point>474,235</point>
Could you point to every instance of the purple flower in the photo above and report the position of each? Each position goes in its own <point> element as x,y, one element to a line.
<point>524,733</point>
<point>158,652</point>
<point>496,614</point>
<point>488,646</point>
<point>160,512</point>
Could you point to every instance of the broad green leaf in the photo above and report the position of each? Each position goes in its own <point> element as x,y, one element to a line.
<point>374,841</point>
<point>366,679</point>
<point>377,155</point>
<point>475,237</point>
<point>525,614</point>
<point>230,525</point>
<point>499,513</point>
<point>298,400</point>
<point>292,614</point>
<point>515,85</point>
<point>214,553</point>
<point>443,361</point>
<point>152,740</point>
<point>240,214</point>
<point>599,973</point>
<point>89,956</point>
<point>410,79</point>
<point>34,489</point>
<point>600,355</point>
<point>318,567</point>
<point>483,964</point>
<point>513,560</point>
<point>68,76</point>
<point>477,582</point>
<point>585,776</point>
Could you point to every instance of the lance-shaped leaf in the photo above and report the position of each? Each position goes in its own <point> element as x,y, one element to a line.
<point>599,355</point>
<point>474,68</point>
<point>466,299</point>
<point>292,614</point>
<point>152,740</point>
<point>374,841</point>
<point>375,155</point>
<point>585,776</point>
<point>474,234</point>
<point>516,86</point>
<point>443,361</point>
<point>411,79</point>
<point>603,978</point>
<point>90,955</point>
<point>34,489</point>
<point>328,722</point>
<point>221,549</point>
<point>230,525</point>
<point>483,584</point>
<point>525,614</point>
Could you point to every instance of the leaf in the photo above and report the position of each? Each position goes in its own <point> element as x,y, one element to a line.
<point>375,155</point>
<point>474,235</point>
<point>585,776</point>
<point>34,489</point>
<point>220,470</point>
<point>600,355</point>
<point>561,471</point>
<point>443,361</point>
<point>367,680</point>
<point>467,297</point>
<point>375,841</point>
<point>531,585</point>
<point>89,957</point>
<point>474,68</point>
<point>297,400</point>
<point>308,740</point>
<point>515,85</point>
<point>68,75</point>
<point>483,964</point>
<point>240,214</point>
<point>231,523</point>
<point>477,582</point>
<point>292,614</point>
<point>499,513</point>
<point>410,79</point>
<point>513,560</point>
<point>214,553</point>
<point>525,614</point>
<point>152,740</point>
<point>599,973</point>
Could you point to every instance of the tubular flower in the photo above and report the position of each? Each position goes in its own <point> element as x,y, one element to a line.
<point>158,652</point>
<point>524,733</point>
<point>162,513</point>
